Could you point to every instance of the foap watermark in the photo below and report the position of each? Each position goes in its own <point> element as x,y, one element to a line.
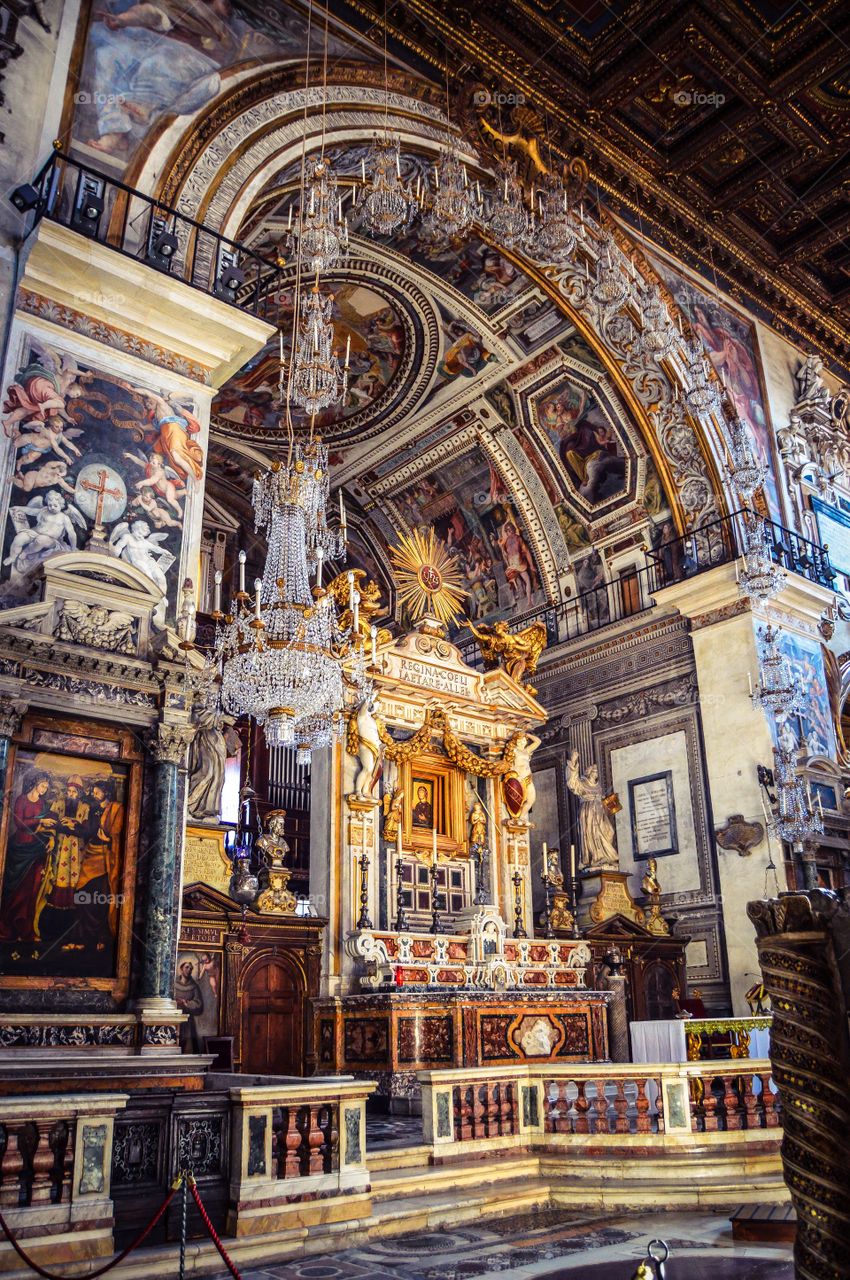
<point>87,898</point>
<point>691,98</point>
<point>487,98</point>
<point>83,99</point>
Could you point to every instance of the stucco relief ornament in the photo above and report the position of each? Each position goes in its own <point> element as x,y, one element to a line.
<point>598,837</point>
<point>169,743</point>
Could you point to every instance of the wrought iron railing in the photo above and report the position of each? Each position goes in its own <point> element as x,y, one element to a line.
<point>716,543</point>
<point>109,212</point>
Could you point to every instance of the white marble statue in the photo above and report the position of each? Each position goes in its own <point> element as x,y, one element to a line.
<point>526,745</point>
<point>368,750</point>
<point>811,388</point>
<point>598,837</point>
<point>139,547</point>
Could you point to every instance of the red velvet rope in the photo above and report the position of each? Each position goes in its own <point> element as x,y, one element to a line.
<point>90,1275</point>
<point>211,1229</point>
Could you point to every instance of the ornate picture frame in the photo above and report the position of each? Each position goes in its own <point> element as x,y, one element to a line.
<point>652,816</point>
<point>443,785</point>
<point>68,853</point>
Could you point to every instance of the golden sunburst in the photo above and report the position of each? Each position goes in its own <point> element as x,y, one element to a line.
<point>427,577</point>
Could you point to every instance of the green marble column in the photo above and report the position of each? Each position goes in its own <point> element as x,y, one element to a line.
<point>162,886</point>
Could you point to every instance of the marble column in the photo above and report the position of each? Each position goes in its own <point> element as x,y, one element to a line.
<point>167,746</point>
<point>618,1018</point>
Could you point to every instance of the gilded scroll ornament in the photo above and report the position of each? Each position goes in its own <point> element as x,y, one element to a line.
<point>436,721</point>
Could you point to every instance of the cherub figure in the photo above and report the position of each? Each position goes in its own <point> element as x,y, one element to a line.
<point>146,505</point>
<point>34,439</point>
<point>139,547</point>
<point>49,473</point>
<point>53,532</point>
<point>159,477</point>
<point>176,426</point>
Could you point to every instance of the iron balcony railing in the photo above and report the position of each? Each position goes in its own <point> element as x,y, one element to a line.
<point>716,543</point>
<point>141,227</point>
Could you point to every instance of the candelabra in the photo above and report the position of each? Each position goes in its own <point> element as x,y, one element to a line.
<point>776,693</point>
<point>519,931</point>
<point>454,202</point>
<point>436,898</point>
<point>701,395</point>
<point>507,216</point>
<point>610,289</point>
<point>762,578</point>
<point>387,203</point>
<point>402,923</point>
<point>658,336</point>
<point>319,380</point>
<point>797,821</point>
<point>363,920</point>
<point>319,227</point>
<point>746,472</point>
<point>551,233</point>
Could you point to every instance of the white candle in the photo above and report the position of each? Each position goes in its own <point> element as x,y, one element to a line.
<point>258,586</point>
<point>373,631</point>
<point>217,595</point>
<point>434,847</point>
<point>319,558</point>
<point>398,842</point>
<point>572,862</point>
<point>347,349</point>
<point>341,513</point>
<point>750,683</point>
<point>355,623</point>
<point>350,576</point>
<point>545,850</point>
<point>363,170</point>
<point>242,559</point>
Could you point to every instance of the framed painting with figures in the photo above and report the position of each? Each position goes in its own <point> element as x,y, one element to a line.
<point>67,855</point>
<point>433,791</point>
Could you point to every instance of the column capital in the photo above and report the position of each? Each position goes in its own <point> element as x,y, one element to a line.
<point>12,712</point>
<point>168,743</point>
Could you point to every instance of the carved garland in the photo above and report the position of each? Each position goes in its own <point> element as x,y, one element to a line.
<point>460,755</point>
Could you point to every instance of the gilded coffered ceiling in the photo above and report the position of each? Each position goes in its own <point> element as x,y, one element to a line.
<point>720,130</point>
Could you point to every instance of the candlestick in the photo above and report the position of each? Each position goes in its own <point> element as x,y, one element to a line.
<point>436,922</point>
<point>363,921</point>
<point>401,921</point>
<point>217,593</point>
<point>242,559</point>
<point>519,931</point>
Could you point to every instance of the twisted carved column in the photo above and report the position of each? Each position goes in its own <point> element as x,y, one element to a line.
<point>802,943</point>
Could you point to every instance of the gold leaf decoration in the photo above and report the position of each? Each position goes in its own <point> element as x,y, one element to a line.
<point>427,577</point>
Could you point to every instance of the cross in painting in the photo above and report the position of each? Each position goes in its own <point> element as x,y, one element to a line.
<point>100,488</point>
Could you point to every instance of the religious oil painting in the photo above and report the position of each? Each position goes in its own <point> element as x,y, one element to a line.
<point>465,351</point>
<point>469,506</point>
<point>143,61</point>
<point>197,991</point>
<point>588,445</point>
<point>731,346</point>
<point>92,454</point>
<point>365,323</point>
<point>63,855</point>
<point>812,728</point>
<point>422,813</point>
<point>477,270</point>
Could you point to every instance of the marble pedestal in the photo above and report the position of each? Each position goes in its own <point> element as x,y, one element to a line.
<point>605,894</point>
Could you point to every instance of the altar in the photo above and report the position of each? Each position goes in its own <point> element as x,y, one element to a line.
<point>430,958</point>
<point>689,1039</point>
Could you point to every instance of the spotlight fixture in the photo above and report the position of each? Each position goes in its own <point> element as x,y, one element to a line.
<point>88,209</point>
<point>162,247</point>
<point>228,282</point>
<point>25,197</point>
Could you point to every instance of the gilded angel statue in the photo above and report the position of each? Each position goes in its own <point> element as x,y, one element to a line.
<point>517,651</point>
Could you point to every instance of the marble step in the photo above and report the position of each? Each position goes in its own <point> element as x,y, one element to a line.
<point>450,1206</point>
<point>437,1179</point>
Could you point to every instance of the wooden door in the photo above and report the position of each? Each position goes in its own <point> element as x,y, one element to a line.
<point>272,1017</point>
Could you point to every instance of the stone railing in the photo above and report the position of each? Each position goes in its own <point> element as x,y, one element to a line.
<point>519,1106</point>
<point>55,1163</point>
<point>294,1141</point>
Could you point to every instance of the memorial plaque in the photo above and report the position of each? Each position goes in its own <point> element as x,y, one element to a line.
<point>653,816</point>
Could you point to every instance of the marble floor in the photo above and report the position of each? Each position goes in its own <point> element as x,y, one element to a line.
<point>553,1244</point>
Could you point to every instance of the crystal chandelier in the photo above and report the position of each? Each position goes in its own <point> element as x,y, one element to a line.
<point>658,336</point>
<point>701,395</point>
<point>797,819</point>
<point>454,202</point>
<point>387,203</point>
<point>320,230</point>
<point>610,288</point>
<point>318,378</point>
<point>552,237</point>
<point>776,693</point>
<point>507,216</point>
<point>282,660</point>
<point>761,578</point>
<point>746,472</point>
